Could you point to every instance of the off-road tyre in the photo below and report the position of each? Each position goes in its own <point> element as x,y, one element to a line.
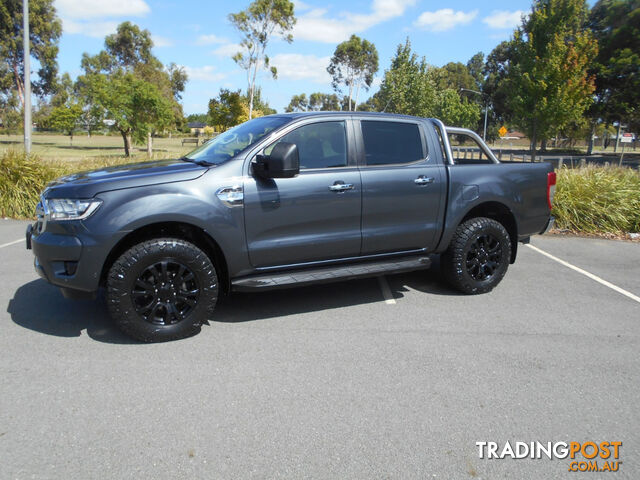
<point>162,289</point>
<point>478,256</point>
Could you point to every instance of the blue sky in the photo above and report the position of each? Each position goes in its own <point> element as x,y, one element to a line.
<point>198,36</point>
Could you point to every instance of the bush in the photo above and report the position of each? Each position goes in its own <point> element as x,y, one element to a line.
<point>21,181</point>
<point>23,178</point>
<point>598,200</point>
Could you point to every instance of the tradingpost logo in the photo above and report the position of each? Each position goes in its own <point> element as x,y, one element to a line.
<point>582,456</point>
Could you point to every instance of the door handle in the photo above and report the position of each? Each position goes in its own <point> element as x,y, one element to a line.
<point>341,187</point>
<point>422,180</point>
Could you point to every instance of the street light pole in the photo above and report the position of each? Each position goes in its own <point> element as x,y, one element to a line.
<point>486,109</point>
<point>27,78</point>
<point>484,133</point>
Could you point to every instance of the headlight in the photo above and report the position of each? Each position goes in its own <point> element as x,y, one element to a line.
<point>71,209</point>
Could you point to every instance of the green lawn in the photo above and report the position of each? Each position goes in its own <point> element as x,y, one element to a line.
<point>59,147</point>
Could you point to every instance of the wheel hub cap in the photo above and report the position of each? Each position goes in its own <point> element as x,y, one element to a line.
<point>165,293</point>
<point>484,257</point>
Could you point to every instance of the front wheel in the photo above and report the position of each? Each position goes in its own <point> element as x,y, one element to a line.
<point>478,256</point>
<point>162,289</point>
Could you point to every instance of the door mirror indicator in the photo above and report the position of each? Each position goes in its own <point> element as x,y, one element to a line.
<point>283,162</point>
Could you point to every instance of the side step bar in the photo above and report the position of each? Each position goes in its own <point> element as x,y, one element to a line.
<point>325,274</point>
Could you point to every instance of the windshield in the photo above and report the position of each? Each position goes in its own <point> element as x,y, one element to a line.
<point>230,143</point>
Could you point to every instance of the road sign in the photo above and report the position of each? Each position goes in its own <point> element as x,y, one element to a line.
<point>626,138</point>
<point>502,131</point>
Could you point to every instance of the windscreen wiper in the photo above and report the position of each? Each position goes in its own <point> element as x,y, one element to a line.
<point>197,162</point>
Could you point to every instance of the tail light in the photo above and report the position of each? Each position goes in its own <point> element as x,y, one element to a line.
<point>551,188</point>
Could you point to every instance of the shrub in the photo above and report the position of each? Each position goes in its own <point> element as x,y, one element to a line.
<point>22,179</point>
<point>598,200</point>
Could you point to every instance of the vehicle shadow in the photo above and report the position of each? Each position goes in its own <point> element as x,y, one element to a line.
<point>246,307</point>
<point>40,307</point>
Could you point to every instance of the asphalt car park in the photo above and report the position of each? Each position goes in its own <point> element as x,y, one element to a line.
<point>392,377</point>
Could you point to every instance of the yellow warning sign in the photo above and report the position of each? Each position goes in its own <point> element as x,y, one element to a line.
<point>502,131</point>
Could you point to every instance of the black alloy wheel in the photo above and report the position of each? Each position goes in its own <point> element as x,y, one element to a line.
<point>162,289</point>
<point>483,258</point>
<point>478,255</point>
<point>165,293</point>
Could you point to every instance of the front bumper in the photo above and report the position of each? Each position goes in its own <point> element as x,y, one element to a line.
<point>66,257</point>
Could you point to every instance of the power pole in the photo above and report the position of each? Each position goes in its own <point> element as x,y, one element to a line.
<point>27,78</point>
<point>484,134</point>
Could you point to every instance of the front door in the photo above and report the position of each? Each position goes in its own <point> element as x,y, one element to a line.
<point>314,216</point>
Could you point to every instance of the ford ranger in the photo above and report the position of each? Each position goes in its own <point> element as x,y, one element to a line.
<point>283,201</point>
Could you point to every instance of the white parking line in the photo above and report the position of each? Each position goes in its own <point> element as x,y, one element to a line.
<point>587,274</point>
<point>386,291</point>
<point>12,243</point>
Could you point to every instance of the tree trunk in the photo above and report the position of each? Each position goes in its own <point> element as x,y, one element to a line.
<point>592,132</point>
<point>19,84</point>
<point>543,145</point>
<point>149,145</point>
<point>533,143</point>
<point>250,103</point>
<point>251,89</point>
<point>71,139</point>
<point>355,105</point>
<point>127,143</point>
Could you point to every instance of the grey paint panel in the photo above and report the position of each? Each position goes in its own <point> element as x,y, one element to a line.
<point>295,220</point>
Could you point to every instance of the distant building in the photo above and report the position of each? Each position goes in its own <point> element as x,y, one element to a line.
<point>514,136</point>
<point>196,128</point>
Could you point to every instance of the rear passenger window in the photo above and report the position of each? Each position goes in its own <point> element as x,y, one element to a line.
<point>391,143</point>
<point>320,145</point>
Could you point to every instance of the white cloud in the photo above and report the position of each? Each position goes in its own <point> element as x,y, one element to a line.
<point>86,9</point>
<point>503,19</point>
<point>316,26</point>
<point>89,17</point>
<point>295,66</point>
<point>227,50</point>
<point>300,6</point>
<point>444,19</point>
<point>160,42</point>
<point>210,39</point>
<point>207,73</point>
<point>90,29</point>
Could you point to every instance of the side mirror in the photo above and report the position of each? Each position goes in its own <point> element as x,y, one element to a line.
<point>282,163</point>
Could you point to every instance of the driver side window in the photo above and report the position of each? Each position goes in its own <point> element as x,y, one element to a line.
<point>320,145</point>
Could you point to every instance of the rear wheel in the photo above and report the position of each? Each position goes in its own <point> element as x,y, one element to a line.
<point>478,256</point>
<point>162,289</point>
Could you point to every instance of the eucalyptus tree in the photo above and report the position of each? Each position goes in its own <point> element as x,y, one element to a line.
<point>354,63</point>
<point>257,24</point>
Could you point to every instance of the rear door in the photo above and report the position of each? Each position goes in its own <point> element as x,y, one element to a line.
<point>403,186</point>
<point>316,215</point>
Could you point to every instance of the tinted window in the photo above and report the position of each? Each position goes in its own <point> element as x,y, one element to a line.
<point>320,145</point>
<point>389,143</point>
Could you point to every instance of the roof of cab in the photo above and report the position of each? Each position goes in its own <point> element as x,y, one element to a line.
<point>297,115</point>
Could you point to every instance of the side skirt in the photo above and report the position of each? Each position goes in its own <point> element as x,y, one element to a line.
<point>333,273</point>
